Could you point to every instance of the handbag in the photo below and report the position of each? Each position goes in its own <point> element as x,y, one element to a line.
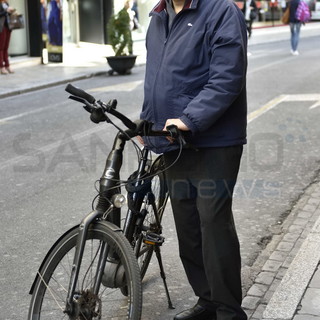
<point>253,14</point>
<point>15,21</point>
<point>286,16</point>
<point>2,21</point>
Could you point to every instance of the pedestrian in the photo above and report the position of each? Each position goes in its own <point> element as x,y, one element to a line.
<point>196,79</point>
<point>283,4</point>
<point>295,26</point>
<point>43,17</point>
<point>55,23</point>
<point>135,9</point>
<point>5,34</point>
<point>250,12</point>
<point>126,25</point>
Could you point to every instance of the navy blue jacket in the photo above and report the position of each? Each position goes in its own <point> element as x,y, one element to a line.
<point>293,9</point>
<point>196,71</point>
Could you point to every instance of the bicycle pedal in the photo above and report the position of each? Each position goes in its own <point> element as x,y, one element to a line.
<point>153,239</point>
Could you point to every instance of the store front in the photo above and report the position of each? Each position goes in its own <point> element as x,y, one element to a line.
<point>82,21</point>
<point>18,41</point>
<point>86,20</point>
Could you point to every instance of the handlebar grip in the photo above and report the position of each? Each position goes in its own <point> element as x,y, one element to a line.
<point>80,93</point>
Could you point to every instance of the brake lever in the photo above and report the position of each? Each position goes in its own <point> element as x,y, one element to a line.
<point>98,115</point>
<point>87,106</point>
<point>111,105</point>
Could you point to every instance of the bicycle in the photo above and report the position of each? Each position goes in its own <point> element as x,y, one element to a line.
<point>95,269</point>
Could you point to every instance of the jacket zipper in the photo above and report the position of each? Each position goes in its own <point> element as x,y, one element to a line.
<point>162,56</point>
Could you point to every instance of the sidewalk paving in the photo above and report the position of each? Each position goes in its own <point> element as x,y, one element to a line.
<point>288,285</point>
<point>80,62</point>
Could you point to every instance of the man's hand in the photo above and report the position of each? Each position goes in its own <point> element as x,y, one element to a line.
<point>177,122</point>
<point>140,140</point>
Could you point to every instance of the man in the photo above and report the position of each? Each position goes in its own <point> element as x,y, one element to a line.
<point>196,79</point>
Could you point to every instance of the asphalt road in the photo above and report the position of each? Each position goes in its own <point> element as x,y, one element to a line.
<point>51,155</point>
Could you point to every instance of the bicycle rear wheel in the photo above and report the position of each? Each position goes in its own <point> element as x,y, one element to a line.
<point>160,191</point>
<point>51,288</point>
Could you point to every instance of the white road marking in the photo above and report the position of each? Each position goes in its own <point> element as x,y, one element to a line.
<point>27,113</point>
<point>127,87</point>
<point>251,116</point>
<point>288,97</point>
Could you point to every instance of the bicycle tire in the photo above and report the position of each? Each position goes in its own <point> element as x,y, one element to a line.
<point>159,188</point>
<point>50,290</point>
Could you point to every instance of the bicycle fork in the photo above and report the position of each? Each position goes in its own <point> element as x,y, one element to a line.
<point>113,165</point>
<point>81,241</point>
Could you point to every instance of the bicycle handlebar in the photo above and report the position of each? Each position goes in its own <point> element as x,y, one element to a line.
<point>77,92</point>
<point>98,110</point>
<point>110,107</point>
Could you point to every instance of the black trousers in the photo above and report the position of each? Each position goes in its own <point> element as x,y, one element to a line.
<point>249,27</point>
<point>201,186</point>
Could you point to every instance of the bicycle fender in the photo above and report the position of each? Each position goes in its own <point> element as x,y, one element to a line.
<point>48,253</point>
<point>111,226</point>
<point>107,225</point>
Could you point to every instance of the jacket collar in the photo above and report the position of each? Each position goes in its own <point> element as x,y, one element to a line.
<point>161,5</point>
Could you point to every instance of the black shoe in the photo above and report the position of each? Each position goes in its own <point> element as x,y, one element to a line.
<point>196,313</point>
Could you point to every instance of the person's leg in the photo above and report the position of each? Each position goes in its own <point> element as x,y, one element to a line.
<point>2,42</point>
<point>210,174</point>
<point>183,201</point>
<point>295,33</point>
<point>218,170</point>
<point>292,40</point>
<point>298,26</point>
<point>250,28</point>
<point>6,48</point>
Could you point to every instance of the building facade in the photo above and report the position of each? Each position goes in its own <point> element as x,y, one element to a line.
<point>81,21</point>
<point>86,20</point>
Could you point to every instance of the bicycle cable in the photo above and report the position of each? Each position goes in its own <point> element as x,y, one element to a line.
<point>122,183</point>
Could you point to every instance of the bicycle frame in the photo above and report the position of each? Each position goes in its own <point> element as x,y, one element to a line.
<point>136,229</point>
<point>109,186</point>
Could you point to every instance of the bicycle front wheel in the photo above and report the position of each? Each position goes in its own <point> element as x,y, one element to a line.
<point>123,301</point>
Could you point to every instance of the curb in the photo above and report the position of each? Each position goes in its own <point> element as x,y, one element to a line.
<point>50,84</point>
<point>280,285</point>
<point>53,83</point>
<point>269,26</point>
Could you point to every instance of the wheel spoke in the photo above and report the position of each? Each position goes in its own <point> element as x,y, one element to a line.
<point>50,293</point>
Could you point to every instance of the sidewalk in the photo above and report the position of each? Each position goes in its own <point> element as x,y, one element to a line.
<point>79,62</point>
<point>287,286</point>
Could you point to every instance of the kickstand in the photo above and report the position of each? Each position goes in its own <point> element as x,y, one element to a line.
<point>163,275</point>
